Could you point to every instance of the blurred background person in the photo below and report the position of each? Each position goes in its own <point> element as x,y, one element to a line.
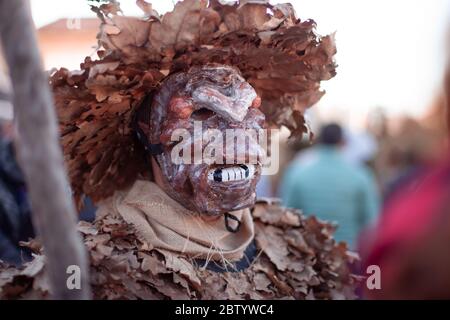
<point>404,153</point>
<point>15,216</point>
<point>411,242</point>
<point>15,213</point>
<point>326,184</point>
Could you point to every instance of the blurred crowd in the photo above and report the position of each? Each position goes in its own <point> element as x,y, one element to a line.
<point>388,191</point>
<point>386,188</point>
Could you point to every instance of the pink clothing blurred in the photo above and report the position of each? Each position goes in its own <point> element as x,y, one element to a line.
<point>411,243</point>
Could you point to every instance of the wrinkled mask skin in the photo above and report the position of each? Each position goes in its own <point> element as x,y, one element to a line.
<point>221,99</point>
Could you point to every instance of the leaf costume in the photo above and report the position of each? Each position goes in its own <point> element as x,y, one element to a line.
<point>159,230</point>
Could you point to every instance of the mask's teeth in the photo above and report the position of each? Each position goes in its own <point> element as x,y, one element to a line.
<point>236,173</point>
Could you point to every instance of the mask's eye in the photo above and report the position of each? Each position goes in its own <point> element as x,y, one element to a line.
<point>202,114</point>
<point>180,107</point>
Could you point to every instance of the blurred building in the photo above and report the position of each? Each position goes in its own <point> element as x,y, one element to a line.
<point>63,43</point>
<point>66,42</point>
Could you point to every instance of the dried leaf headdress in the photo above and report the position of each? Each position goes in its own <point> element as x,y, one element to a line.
<point>280,56</point>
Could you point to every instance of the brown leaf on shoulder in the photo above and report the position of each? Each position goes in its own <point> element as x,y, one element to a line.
<point>276,215</point>
<point>34,245</point>
<point>271,242</point>
<point>87,228</point>
<point>181,265</point>
<point>262,282</point>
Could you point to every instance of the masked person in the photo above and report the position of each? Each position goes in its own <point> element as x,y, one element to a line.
<point>168,225</point>
<point>15,214</point>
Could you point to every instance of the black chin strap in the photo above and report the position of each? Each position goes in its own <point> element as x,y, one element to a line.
<point>227,223</point>
<point>143,114</point>
<point>151,148</point>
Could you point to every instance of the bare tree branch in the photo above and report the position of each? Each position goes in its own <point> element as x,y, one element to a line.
<point>39,151</point>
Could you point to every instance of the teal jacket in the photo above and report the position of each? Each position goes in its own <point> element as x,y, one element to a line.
<point>332,189</point>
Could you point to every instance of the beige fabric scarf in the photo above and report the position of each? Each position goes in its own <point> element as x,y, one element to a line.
<point>165,224</point>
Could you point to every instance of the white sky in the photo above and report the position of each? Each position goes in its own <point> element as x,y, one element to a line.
<point>390,52</point>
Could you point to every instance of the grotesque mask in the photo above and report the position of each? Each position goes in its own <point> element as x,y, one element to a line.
<point>194,111</point>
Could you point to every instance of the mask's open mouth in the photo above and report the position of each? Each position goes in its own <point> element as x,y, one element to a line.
<point>239,172</point>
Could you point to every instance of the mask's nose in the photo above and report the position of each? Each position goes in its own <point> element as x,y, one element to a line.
<point>232,108</point>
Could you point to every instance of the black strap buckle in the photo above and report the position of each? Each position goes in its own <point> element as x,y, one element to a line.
<point>227,223</point>
<point>151,148</point>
